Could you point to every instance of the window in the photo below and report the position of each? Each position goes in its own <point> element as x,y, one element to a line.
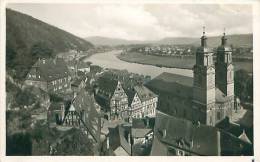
<point>218,115</point>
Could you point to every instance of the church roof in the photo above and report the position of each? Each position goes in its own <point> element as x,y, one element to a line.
<point>220,96</point>
<point>175,84</point>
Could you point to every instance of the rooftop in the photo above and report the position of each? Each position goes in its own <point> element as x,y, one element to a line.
<point>52,69</point>
<point>144,93</point>
<point>191,136</point>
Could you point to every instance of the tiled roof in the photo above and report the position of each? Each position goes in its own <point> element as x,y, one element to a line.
<point>130,92</point>
<point>144,93</point>
<point>86,102</point>
<point>199,139</point>
<point>220,96</point>
<point>176,85</point>
<point>51,69</point>
<point>107,84</point>
<point>232,145</point>
<point>123,142</point>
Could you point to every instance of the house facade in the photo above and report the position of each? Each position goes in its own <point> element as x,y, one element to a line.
<point>51,75</point>
<point>144,103</point>
<point>112,97</point>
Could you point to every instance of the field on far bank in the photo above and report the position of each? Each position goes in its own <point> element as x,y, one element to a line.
<point>185,62</point>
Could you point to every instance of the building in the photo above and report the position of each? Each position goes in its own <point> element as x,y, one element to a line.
<point>78,84</point>
<point>208,97</point>
<point>51,75</point>
<point>111,95</point>
<point>143,103</point>
<point>176,136</point>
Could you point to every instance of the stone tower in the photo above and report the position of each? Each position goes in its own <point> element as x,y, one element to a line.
<point>225,73</point>
<point>204,84</point>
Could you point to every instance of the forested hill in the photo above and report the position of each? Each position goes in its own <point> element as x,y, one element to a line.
<point>28,38</point>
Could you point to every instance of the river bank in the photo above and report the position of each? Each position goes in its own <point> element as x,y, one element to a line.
<point>176,62</point>
<point>111,60</point>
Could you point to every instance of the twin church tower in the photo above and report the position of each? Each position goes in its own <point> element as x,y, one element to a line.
<point>213,84</point>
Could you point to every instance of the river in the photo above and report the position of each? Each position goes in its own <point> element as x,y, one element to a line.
<point>110,60</point>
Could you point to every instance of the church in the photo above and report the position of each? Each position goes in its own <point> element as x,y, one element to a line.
<point>208,97</point>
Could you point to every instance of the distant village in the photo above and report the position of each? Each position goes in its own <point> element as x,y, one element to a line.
<point>186,50</point>
<point>127,114</point>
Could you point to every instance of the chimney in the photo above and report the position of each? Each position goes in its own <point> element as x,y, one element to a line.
<point>43,60</point>
<point>62,112</point>
<point>164,133</point>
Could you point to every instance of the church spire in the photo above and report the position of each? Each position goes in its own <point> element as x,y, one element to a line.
<point>203,39</point>
<point>224,39</point>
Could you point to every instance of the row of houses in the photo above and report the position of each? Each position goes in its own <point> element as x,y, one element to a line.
<point>121,102</point>
<point>166,50</point>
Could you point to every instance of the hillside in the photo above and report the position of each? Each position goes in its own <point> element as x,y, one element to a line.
<point>98,40</point>
<point>244,40</point>
<point>241,40</point>
<point>28,38</point>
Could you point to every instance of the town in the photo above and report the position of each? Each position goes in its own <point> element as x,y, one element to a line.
<point>79,108</point>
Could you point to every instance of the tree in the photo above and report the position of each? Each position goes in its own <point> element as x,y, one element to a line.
<point>41,50</point>
<point>243,85</point>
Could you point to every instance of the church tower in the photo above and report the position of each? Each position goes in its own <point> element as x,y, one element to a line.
<point>204,84</point>
<point>225,73</point>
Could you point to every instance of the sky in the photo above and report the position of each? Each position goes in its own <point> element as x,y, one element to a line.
<point>142,21</point>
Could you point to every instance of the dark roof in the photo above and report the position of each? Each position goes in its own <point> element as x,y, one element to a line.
<point>76,82</point>
<point>103,102</point>
<point>144,93</point>
<point>176,85</point>
<point>123,142</point>
<point>205,138</point>
<point>107,84</point>
<point>143,123</point>
<point>130,92</point>
<point>52,69</point>
<point>232,145</point>
<point>85,101</point>
<point>220,96</point>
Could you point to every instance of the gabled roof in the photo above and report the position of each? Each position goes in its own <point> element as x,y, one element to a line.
<point>196,138</point>
<point>130,92</point>
<point>107,84</point>
<point>144,93</point>
<point>51,69</point>
<point>85,102</point>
